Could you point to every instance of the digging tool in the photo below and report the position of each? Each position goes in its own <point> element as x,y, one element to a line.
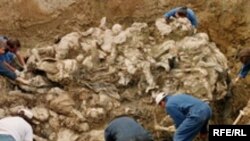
<point>242,113</point>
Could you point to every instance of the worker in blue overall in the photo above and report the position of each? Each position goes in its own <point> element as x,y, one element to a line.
<point>189,114</point>
<point>124,128</point>
<point>244,57</point>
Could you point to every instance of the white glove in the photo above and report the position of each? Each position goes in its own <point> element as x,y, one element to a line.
<point>17,72</point>
<point>25,68</point>
<point>22,74</point>
<point>171,18</point>
<point>195,30</point>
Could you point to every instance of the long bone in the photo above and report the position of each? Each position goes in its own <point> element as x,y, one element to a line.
<point>242,113</point>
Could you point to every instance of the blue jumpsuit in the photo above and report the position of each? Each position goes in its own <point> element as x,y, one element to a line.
<point>7,57</point>
<point>126,129</point>
<point>190,115</point>
<point>190,15</point>
<point>244,70</point>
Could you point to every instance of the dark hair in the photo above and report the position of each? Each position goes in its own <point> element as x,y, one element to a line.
<point>182,12</point>
<point>13,43</point>
<point>22,115</point>
<point>164,99</point>
<point>244,55</point>
<point>57,39</point>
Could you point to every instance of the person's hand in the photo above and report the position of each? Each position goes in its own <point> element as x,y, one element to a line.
<point>22,74</point>
<point>25,68</point>
<point>17,72</point>
<point>172,18</point>
<point>169,20</point>
<point>194,30</point>
<point>235,80</point>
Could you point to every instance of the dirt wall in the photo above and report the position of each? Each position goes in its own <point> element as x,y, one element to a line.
<point>38,21</point>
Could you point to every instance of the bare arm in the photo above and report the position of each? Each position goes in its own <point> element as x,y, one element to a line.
<point>9,66</point>
<point>20,58</point>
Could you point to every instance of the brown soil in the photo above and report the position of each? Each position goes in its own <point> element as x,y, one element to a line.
<point>38,22</point>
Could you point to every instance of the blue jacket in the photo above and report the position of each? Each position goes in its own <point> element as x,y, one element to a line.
<point>244,70</point>
<point>7,57</point>
<point>126,129</point>
<point>180,106</point>
<point>190,15</point>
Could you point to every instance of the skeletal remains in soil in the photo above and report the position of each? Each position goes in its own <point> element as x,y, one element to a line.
<point>114,66</point>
